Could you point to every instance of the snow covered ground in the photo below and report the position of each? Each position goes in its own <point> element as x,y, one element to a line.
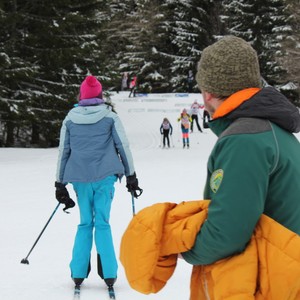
<point>27,200</point>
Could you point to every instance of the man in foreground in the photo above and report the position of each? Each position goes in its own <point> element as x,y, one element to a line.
<point>254,167</point>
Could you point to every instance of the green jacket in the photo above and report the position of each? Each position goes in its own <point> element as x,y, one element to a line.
<point>254,168</point>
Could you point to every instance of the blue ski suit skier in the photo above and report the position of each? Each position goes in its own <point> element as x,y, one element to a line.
<point>93,153</point>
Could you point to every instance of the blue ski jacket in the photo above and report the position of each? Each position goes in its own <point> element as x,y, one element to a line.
<point>93,145</point>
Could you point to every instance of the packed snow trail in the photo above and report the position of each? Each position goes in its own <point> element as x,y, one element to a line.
<point>27,200</point>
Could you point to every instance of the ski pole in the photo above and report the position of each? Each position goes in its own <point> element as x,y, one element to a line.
<point>132,203</point>
<point>138,192</point>
<point>172,143</point>
<point>25,260</point>
<point>161,141</point>
<point>179,132</point>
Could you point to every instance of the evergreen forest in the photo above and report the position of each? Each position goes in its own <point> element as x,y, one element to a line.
<point>48,47</point>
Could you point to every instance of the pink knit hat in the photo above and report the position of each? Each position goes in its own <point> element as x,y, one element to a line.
<point>90,88</point>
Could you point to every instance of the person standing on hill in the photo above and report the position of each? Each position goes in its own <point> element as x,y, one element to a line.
<point>185,120</point>
<point>93,154</point>
<point>124,82</point>
<point>190,81</point>
<point>166,129</point>
<point>206,118</point>
<point>132,86</point>
<point>195,109</point>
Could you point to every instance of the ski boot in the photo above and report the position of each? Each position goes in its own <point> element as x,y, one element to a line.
<point>78,281</point>
<point>110,286</point>
<point>110,281</point>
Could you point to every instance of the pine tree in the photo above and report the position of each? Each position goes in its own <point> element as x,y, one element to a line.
<point>16,72</point>
<point>62,42</point>
<point>190,29</point>
<point>118,32</point>
<point>134,32</point>
<point>161,40</point>
<point>65,55</point>
<point>153,69</point>
<point>291,46</point>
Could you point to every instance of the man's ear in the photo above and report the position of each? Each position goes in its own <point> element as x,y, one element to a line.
<point>208,96</point>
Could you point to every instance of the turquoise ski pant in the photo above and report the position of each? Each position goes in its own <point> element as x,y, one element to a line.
<point>94,200</point>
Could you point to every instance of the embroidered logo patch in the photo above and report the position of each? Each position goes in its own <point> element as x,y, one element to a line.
<point>216,179</point>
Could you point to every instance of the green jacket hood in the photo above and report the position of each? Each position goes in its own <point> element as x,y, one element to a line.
<point>271,105</point>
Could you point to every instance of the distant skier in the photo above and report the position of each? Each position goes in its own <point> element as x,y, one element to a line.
<point>206,118</point>
<point>185,126</point>
<point>132,86</point>
<point>166,129</point>
<point>195,112</point>
<point>124,82</point>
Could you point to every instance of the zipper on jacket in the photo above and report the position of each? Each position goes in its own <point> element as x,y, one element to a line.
<point>205,285</point>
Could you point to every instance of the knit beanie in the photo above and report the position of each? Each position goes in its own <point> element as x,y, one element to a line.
<point>228,66</point>
<point>90,88</point>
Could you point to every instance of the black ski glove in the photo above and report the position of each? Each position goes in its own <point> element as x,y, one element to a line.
<point>62,196</point>
<point>133,185</point>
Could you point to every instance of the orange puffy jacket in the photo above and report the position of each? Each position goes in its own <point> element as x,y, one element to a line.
<point>269,268</point>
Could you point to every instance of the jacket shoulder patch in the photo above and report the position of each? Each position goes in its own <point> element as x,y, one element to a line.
<point>216,180</point>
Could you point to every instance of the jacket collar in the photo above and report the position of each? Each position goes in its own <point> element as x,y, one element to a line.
<point>234,101</point>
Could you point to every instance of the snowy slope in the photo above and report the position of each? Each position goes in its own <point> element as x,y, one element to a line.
<point>27,201</point>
